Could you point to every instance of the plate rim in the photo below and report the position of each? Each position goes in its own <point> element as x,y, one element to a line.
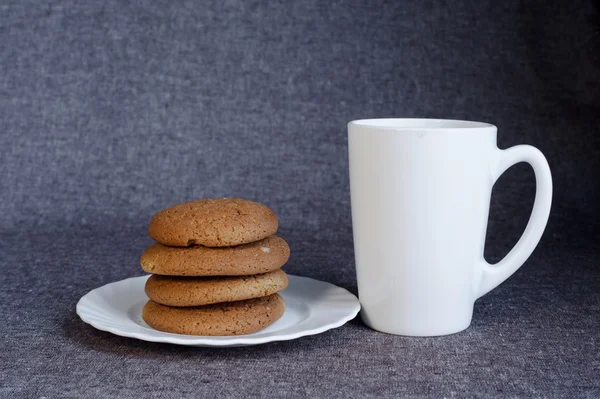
<point>200,341</point>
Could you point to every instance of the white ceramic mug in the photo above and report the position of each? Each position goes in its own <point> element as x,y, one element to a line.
<point>420,192</point>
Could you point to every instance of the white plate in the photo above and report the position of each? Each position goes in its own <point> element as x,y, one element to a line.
<point>312,307</point>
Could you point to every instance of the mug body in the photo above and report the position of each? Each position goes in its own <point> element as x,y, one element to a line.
<point>420,191</point>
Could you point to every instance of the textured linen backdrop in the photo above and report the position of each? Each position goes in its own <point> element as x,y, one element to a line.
<point>113,110</point>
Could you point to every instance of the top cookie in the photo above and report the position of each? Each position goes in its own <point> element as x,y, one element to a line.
<point>221,222</point>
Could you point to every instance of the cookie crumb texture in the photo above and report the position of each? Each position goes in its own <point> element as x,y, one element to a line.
<point>220,222</point>
<point>197,291</point>
<point>240,260</point>
<point>224,319</point>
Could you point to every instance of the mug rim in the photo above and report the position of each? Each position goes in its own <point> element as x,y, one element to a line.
<point>419,124</point>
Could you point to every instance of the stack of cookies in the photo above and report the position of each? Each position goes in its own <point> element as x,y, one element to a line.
<point>216,268</point>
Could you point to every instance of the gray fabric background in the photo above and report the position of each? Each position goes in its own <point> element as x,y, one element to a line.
<point>111,111</point>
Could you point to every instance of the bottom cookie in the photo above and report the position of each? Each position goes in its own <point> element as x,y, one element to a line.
<point>231,318</point>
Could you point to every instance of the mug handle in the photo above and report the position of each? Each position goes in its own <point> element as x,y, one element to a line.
<point>495,274</point>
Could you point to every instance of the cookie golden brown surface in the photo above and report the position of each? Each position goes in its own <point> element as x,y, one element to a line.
<point>198,291</point>
<point>258,257</point>
<point>220,222</point>
<point>231,318</point>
